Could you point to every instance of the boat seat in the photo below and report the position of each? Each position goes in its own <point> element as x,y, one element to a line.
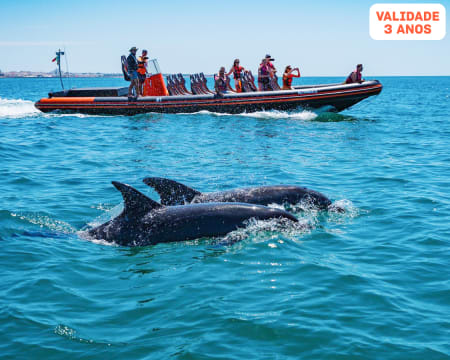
<point>204,83</point>
<point>123,60</point>
<point>177,85</point>
<point>182,83</point>
<point>248,82</point>
<point>274,83</point>
<point>194,87</point>
<point>170,86</point>
<point>199,85</point>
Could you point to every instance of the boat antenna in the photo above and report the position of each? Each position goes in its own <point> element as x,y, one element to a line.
<point>67,68</point>
<point>58,61</point>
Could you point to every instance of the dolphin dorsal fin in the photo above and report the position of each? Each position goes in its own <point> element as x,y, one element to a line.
<point>171,192</point>
<point>135,202</point>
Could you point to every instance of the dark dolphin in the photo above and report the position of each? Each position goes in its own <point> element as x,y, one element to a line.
<point>145,222</point>
<point>175,193</point>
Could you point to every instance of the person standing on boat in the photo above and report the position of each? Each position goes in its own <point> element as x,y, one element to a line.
<point>221,82</point>
<point>236,69</point>
<point>355,76</point>
<point>287,77</point>
<point>132,65</point>
<point>271,65</point>
<point>142,70</point>
<point>264,75</point>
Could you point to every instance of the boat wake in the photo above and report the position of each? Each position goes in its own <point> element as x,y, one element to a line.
<point>17,108</point>
<point>269,114</point>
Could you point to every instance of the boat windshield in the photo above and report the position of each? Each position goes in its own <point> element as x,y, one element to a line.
<point>153,67</point>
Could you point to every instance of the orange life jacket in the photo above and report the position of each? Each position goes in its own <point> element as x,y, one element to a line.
<point>141,66</point>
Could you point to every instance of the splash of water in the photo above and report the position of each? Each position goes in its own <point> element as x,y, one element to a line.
<point>270,114</point>
<point>16,108</point>
<point>44,221</point>
<point>267,228</point>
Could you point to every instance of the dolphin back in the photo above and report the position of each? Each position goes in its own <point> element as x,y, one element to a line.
<point>171,192</point>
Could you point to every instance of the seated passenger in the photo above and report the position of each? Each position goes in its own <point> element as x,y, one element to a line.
<point>264,75</point>
<point>221,82</point>
<point>236,69</point>
<point>355,76</point>
<point>287,77</point>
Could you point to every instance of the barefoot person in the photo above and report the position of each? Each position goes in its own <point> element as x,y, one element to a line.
<point>132,65</point>
<point>287,77</point>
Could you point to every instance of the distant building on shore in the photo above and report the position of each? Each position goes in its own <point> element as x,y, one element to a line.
<point>53,74</point>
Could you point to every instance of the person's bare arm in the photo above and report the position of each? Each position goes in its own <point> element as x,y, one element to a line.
<point>215,84</point>
<point>298,72</point>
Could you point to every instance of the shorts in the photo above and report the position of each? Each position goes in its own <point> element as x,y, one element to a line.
<point>133,75</point>
<point>142,77</point>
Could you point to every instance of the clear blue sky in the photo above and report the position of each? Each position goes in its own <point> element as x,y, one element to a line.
<point>322,37</point>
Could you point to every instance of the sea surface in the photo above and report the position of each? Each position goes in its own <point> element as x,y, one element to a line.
<point>370,283</point>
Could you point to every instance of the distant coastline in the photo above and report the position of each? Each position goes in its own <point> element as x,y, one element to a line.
<point>54,74</point>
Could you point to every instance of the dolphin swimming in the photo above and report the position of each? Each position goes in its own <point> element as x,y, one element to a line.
<point>144,221</point>
<point>175,193</point>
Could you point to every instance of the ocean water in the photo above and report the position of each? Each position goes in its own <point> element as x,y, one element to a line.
<point>371,283</point>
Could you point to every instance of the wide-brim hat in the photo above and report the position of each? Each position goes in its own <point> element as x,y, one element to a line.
<point>134,48</point>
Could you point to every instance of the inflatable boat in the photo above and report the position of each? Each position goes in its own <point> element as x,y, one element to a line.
<point>175,98</point>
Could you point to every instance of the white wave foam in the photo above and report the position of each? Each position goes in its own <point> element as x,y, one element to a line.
<point>268,229</point>
<point>16,108</point>
<point>270,114</point>
<point>276,114</point>
<point>350,211</point>
<point>84,234</point>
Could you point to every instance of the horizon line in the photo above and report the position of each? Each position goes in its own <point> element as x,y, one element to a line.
<point>112,74</point>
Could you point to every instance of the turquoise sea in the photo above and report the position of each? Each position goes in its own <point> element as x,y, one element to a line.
<point>371,283</point>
